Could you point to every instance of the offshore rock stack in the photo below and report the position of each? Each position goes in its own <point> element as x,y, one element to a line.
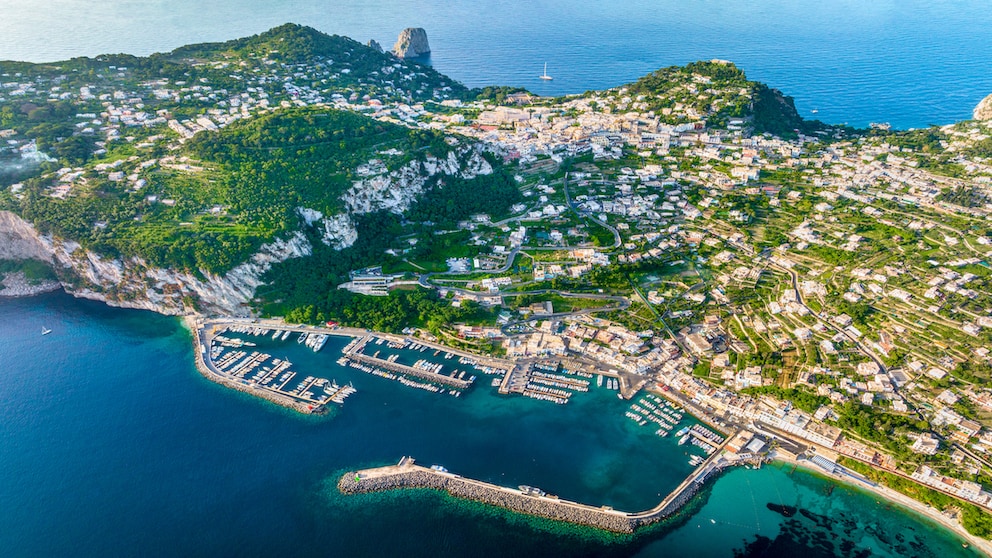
<point>407,475</point>
<point>412,43</point>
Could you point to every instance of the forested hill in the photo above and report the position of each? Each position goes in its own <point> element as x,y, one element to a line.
<point>719,91</point>
<point>301,45</point>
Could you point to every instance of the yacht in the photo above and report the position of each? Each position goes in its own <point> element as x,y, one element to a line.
<point>545,75</point>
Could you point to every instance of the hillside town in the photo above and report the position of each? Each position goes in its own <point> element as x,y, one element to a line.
<point>830,286</point>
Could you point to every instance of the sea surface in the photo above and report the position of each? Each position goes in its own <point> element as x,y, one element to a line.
<point>911,63</point>
<point>111,444</point>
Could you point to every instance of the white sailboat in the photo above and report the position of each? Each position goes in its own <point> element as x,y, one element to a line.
<point>45,330</point>
<point>545,75</point>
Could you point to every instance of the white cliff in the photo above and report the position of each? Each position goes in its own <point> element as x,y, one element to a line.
<point>133,283</point>
<point>397,190</point>
<point>984,109</point>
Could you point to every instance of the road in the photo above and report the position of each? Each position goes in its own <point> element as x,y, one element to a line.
<point>617,241</point>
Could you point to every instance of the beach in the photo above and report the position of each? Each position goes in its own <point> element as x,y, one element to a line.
<point>886,493</point>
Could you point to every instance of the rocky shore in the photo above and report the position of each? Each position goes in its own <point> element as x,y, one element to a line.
<point>15,285</point>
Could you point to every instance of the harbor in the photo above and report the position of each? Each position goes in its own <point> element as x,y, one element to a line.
<point>227,355</point>
<point>230,352</point>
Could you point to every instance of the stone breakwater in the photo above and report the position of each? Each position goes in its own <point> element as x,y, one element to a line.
<point>202,368</point>
<point>407,475</point>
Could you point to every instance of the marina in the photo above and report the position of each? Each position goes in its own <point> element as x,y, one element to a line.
<point>191,459</point>
<point>417,364</point>
<point>227,357</point>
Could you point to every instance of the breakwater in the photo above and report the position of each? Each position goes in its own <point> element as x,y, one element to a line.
<point>527,500</point>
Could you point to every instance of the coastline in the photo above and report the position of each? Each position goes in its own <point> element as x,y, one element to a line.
<point>886,493</point>
<point>16,285</point>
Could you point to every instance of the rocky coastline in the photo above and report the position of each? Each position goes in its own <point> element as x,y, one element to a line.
<point>16,285</point>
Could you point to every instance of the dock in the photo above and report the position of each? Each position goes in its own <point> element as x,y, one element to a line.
<point>244,370</point>
<point>355,353</point>
<point>528,500</point>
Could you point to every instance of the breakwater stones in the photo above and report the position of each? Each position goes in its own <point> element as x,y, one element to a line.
<point>407,475</point>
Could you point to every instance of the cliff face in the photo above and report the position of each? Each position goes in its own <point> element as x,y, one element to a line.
<point>984,109</point>
<point>132,283</point>
<point>394,191</point>
<point>411,43</point>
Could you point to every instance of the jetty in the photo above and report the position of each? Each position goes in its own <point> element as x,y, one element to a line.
<point>354,353</point>
<point>526,499</point>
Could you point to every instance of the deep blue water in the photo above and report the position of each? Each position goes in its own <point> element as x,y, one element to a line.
<point>909,62</point>
<point>112,444</point>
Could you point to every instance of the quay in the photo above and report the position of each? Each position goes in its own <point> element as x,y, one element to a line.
<point>407,474</point>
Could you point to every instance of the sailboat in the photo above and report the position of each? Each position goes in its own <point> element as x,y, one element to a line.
<point>45,330</point>
<point>545,75</point>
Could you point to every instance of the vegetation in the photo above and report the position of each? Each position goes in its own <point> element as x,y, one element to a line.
<point>801,399</point>
<point>34,271</point>
<point>399,310</point>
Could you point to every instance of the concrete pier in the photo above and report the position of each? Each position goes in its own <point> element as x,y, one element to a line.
<point>407,370</point>
<point>407,474</point>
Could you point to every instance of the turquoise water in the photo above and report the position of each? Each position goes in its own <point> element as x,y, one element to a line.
<point>112,444</point>
<point>911,63</point>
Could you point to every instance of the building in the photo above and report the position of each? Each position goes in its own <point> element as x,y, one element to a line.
<point>369,281</point>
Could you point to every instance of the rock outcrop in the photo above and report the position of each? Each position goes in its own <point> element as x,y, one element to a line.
<point>412,43</point>
<point>397,190</point>
<point>984,109</point>
<point>133,283</point>
<point>374,45</point>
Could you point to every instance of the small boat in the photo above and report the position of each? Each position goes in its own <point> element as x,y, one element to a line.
<point>45,330</point>
<point>814,111</point>
<point>545,75</point>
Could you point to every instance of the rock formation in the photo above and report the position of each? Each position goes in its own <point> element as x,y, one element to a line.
<point>373,44</point>
<point>133,283</point>
<point>136,283</point>
<point>412,43</point>
<point>984,109</point>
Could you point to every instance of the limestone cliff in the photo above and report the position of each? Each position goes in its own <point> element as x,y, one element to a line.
<point>373,44</point>
<point>411,43</point>
<point>133,283</point>
<point>984,109</point>
<point>393,191</point>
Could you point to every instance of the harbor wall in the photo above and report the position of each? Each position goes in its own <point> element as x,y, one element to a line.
<point>411,476</point>
<point>202,368</point>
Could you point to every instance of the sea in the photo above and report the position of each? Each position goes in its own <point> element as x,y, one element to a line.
<point>112,444</point>
<point>911,63</point>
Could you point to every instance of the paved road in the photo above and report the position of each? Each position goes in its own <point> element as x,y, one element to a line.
<point>617,241</point>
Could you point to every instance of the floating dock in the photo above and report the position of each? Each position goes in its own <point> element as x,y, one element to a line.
<point>250,371</point>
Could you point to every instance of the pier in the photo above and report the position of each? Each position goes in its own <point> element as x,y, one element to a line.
<point>355,353</point>
<point>407,474</point>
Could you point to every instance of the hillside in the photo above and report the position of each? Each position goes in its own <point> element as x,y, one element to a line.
<point>159,179</point>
